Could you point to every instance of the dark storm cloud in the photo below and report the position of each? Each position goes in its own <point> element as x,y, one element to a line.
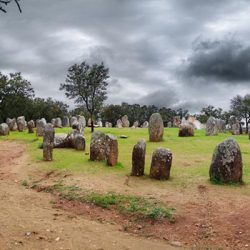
<point>227,60</point>
<point>142,42</point>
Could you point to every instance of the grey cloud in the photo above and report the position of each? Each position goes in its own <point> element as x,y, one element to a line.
<point>226,60</point>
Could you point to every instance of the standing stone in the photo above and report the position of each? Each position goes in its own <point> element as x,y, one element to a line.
<point>79,142</point>
<point>53,121</point>
<point>73,120</point>
<point>98,146</point>
<point>226,163</point>
<point>108,125</point>
<point>221,125</point>
<point>58,123</point>
<point>169,124</point>
<point>156,128</point>
<point>235,129</point>
<point>136,124</point>
<point>4,129</point>
<point>31,126</point>
<point>211,126</point>
<point>125,121</point>
<point>99,124</point>
<point>161,164</point>
<point>186,129</point>
<point>65,121</point>
<point>119,123</point>
<point>177,121</point>
<point>82,122</point>
<point>48,141</point>
<point>111,150</point>
<point>12,124</point>
<point>21,123</point>
<point>145,124</point>
<point>40,125</point>
<point>138,158</point>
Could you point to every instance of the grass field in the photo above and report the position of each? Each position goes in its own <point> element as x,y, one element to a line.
<point>191,155</point>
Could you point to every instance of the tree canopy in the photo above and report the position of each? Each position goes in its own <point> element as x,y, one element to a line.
<point>87,85</point>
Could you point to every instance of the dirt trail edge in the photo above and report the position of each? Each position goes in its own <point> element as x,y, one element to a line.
<point>29,221</point>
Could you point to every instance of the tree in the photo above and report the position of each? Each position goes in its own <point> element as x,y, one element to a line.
<point>16,94</point>
<point>6,2</point>
<point>241,108</point>
<point>87,85</point>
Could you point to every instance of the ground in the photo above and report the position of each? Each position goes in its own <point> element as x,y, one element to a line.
<point>207,216</point>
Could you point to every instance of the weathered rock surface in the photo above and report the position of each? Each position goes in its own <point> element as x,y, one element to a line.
<point>12,124</point>
<point>21,123</point>
<point>40,125</point>
<point>145,124</point>
<point>161,164</point>
<point>31,126</point>
<point>176,121</point>
<point>235,129</point>
<point>98,146</point>
<point>156,128</point>
<point>60,140</point>
<point>53,121</point>
<point>186,130</point>
<point>48,142</point>
<point>82,122</point>
<point>108,125</point>
<point>221,125</point>
<point>4,129</point>
<point>226,163</point>
<point>65,121</point>
<point>73,120</point>
<point>111,150</point>
<point>135,124</point>
<point>58,123</point>
<point>125,121</point>
<point>119,123</point>
<point>138,158</point>
<point>211,126</point>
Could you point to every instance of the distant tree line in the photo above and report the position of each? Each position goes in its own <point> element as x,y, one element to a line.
<point>17,97</point>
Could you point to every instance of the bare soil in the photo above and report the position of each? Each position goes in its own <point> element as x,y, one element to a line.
<point>207,216</point>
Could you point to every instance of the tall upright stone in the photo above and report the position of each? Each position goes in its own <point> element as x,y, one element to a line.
<point>73,120</point>
<point>125,121</point>
<point>31,126</point>
<point>21,123</point>
<point>226,163</point>
<point>82,122</point>
<point>40,125</point>
<point>211,126</point>
<point>138,158</point>
<point>65,121</point>
<point>4,129</point>
<point>98,146</point>
<point>111,150</point>
<point>48,142</point>
<point>58,123</point>
<point>156,128</point>
<point>119,123</point>
<point>145,124</point>
<point>12,124</point>
<point>161,164</point>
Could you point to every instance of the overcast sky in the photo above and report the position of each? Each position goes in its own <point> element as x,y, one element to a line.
<point>174,53</point>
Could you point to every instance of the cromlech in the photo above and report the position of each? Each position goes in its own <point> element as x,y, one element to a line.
<point>125,125</point>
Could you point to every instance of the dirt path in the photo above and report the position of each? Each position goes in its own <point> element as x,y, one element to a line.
<point>29,221</point>
<point>207,216</point>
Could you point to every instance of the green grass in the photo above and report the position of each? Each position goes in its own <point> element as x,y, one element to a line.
<point>137,206</point>
<point>191,155</point>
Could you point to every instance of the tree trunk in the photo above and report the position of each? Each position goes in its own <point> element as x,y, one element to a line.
<point>246,126</point>
<point>92,124</point>
<point>240,129</point>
